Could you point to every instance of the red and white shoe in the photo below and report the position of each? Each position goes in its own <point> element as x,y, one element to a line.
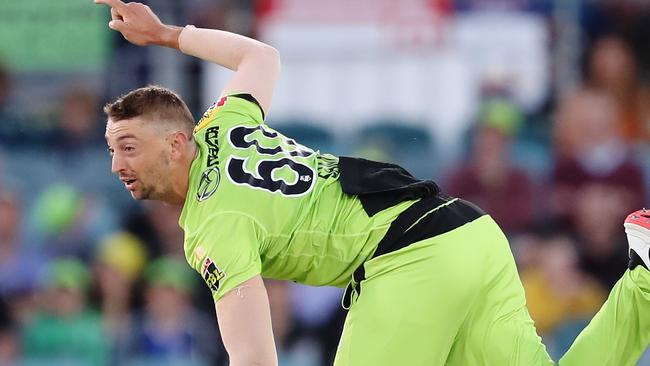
<point>637,228</point>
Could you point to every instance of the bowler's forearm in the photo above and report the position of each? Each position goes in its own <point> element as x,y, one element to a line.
<point>245,324</point>
<point>227,49</point>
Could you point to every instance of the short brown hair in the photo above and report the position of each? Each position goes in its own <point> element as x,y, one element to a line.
<point>154,102</point>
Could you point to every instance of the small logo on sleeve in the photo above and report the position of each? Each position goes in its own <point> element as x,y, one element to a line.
<point>208,185</point>
<point>211,177</point>
<point>208,115</point>
<point>212,274</point>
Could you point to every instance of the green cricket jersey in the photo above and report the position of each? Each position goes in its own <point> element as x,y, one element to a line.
<point>260,203</point>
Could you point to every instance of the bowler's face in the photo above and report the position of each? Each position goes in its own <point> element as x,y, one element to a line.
<point>139,156</point>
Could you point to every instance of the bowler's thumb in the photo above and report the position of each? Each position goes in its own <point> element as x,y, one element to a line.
<point>117,25</point>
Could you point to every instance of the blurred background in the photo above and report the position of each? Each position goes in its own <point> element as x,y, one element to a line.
<point>537,110</point>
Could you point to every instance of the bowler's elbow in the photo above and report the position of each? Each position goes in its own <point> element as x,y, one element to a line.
<point>271,57</point>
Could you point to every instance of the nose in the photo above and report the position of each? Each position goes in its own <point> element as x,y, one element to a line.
<point>117,164</point>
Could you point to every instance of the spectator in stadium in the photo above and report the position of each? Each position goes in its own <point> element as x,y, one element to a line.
<point>5,87</point>
<point>595,179</point>
<point>613,67</point>
<point>69,221</point>
<point>167,234</point>
<point>290,353</point>
<point>66,330</point>
<point>12,129</point>
<point>20,265</point>
<point>117,266</point>
<point>9,348</point>
<point>21,268</point>
<point>59,218</point>
<point>18,127</point>
<point>170,330</point>
<point>77,120</point>
<point>559,294</point>
<point>232,15</point>
<point>590,150</point>
<point>319,317</point>
<point>598,237</point>
<point>488,177</point>
<point>157,225</point>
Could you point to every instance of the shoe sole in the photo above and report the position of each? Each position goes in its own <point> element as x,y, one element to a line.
<point>638,238</point>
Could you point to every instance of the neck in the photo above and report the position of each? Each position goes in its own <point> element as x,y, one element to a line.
<point>180,179</point>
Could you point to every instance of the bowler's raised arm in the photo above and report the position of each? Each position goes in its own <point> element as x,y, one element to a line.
<point>256,65</point>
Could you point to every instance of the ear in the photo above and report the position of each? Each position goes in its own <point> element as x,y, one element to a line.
<point>179,141</point>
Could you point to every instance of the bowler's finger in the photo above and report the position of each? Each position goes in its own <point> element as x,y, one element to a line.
<point>115,15</point>
<point>117,4</point>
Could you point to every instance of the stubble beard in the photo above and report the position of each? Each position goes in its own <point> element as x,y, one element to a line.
<point>155,191</point>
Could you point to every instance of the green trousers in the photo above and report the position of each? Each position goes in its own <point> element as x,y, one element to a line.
<point>456,299</point>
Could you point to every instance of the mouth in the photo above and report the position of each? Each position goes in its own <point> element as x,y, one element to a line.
<point>129,183</point>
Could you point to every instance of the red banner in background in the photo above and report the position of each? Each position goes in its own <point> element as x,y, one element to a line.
<point>346,11</point>
<point>403,23</point>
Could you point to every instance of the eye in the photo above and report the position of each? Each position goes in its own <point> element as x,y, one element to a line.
<point>129,148</point>
<point>110,151</point>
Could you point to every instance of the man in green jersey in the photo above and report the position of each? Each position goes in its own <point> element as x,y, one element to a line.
<point>430,279</point>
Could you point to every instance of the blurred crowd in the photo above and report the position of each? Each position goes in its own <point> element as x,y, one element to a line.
<point>88,277</point>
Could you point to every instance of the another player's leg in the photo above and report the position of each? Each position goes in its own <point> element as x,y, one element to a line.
<point>620,331</point>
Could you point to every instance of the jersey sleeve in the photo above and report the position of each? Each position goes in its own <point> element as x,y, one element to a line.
<point>234,108</point>
<point>226,251</point>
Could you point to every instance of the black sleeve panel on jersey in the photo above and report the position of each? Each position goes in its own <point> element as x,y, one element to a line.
<point>251,99</point>
<point>381,185</point>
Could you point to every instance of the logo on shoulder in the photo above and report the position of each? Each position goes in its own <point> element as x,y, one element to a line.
<point>212,274</point>
<point>209,183</point>
<point>209,113</point>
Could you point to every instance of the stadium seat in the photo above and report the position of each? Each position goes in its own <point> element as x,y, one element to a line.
<point>534,156</point>
<point>531,149</point>
<point>403,143</point>
<point>308,134</point>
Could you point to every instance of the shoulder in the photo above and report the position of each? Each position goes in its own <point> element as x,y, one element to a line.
<point>238,107</point>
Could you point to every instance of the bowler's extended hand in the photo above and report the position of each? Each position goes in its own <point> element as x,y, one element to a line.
<point>139,25</point>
